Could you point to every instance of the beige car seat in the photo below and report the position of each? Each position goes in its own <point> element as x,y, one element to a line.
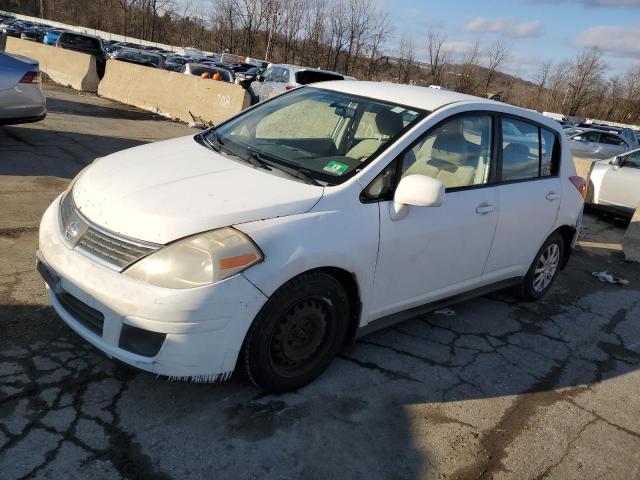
<point>388,124</point>
<point>447,159</point>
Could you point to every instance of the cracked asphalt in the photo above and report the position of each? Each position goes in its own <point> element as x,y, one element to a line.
<point>491,388</point>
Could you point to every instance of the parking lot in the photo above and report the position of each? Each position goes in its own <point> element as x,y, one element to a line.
<point>490,388</point>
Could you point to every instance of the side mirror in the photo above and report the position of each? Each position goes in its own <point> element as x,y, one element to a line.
<point>616,160</point>
<point>259,78</point>
<point>416,190</point>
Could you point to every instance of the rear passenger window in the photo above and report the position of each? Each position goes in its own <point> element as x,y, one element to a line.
<point>612,140</point>
<point>520,150</point>
<point>457,152</point>
<point>550,153</point>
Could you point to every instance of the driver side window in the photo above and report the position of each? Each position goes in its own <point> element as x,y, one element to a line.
<point>632,160</point>
<point>457,152</point>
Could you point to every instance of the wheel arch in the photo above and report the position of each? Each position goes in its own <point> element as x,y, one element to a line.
<point>567,233</point>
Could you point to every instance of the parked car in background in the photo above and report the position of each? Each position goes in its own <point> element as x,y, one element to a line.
<point>175,62</point>
<point>21,97</point>
<point>140,57</point>
<point>626,133</point>
<point>614,184</point>
<point>280,78</point>
<point>13,28</point>
<point>248,76</point>
<point>301,224</point>
<point>34,34</point>
<point>51,36</point>
<point>200,68</point>
<point>83,43</point>
<point>596,144</point>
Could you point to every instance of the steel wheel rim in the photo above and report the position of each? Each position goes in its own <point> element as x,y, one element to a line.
<point>300,337</point>
<point>546,267</point>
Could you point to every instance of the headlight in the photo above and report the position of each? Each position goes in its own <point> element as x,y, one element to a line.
<point>199,260</point>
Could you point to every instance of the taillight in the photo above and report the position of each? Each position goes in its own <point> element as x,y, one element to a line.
<point>581,184</point>
<point>30,77</point>
<point>290,86</point>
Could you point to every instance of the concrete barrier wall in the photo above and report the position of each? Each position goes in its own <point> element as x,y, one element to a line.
<point>583,166</point>
<point>631,240</point>
<point>171,94</point>
<point>66,67</point>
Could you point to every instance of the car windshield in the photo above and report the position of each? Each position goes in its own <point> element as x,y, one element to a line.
<point>327,135</point>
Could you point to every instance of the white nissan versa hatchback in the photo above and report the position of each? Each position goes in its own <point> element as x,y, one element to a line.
<point>300,224</point>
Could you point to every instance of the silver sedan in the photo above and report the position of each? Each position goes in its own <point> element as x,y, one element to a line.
<point>596,144</point>
<point>21,97</point>
<point>614,184</point>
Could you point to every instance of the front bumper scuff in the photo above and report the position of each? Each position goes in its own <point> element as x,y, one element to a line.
<point>205,327</point>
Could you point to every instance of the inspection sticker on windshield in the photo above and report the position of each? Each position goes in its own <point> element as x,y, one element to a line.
<point>335,168</point>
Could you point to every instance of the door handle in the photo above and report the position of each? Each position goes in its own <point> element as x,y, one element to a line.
<point>551,196</point>
<point>484,208</point>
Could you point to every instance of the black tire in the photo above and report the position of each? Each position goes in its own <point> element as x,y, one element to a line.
<point>529,289</point>
<point>297,333</point>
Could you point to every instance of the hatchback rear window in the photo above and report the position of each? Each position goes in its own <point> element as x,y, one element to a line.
<point>305,77</point>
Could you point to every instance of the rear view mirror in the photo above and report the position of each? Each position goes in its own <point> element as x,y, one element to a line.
<point>418,191</point>
<point>345,111</point>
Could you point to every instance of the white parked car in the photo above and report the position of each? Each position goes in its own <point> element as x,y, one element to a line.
<point>280,78</point>
<point>303,223</point>
<point>614,184</point>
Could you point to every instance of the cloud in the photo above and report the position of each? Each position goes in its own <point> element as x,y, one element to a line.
<point>456,47</point>
<point>615,40</point>
<point>505,26</point>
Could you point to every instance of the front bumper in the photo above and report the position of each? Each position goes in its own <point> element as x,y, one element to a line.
<point>204,327</point>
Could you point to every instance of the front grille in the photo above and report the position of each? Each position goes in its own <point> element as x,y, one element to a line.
<point>87,316</point>
<point>108,248</point>
<point>112,250</point>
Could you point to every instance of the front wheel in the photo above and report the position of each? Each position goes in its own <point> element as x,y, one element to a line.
<point>543,270</point>
<point>297,333</point>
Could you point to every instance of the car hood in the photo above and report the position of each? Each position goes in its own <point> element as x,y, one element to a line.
<point>168,190</point>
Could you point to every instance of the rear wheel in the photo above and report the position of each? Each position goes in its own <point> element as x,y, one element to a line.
<point>297,333</point>
<point>543,270</point>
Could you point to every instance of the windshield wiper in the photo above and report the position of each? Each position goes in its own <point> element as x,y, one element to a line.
<point>294,172</point>
<point>220,148</point>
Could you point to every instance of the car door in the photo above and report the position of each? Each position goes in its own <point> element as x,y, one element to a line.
<point>529,192</point>
<point>263,87</point>
<point>612,145</point>
<point>621,184</point>
<point>586,144</point>
<point>435,252</point>
<point>271,88</point>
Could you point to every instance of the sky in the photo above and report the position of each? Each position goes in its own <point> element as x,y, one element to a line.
<point>535,30</point>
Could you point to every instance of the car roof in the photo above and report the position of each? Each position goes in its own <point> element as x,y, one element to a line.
<point>423,98</point>
<point>599,130</point>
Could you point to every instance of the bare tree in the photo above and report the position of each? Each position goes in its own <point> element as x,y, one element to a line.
<point>541,80</point>
<point>438,57</point>
<point>497,54</point>
<point>467,76</point>
<point>586,78</point>
<point>406,60</point>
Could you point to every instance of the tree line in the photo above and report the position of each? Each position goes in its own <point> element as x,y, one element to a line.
<point>352,36</point>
